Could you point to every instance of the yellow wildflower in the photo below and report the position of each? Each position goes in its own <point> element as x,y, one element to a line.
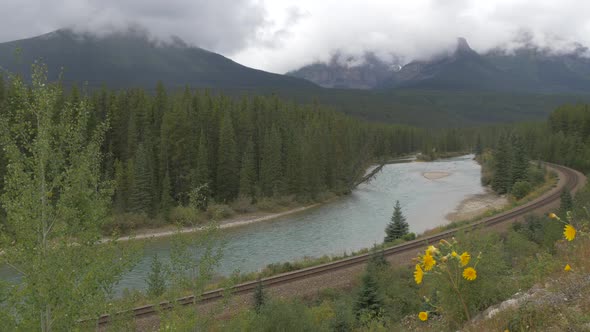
<point>454,253</point>
<point>418,274</point>
<point>470,274</point>
<point>428,262</point>
<point>465,257</point>
<point>553,216</point>
<point>569,232</point>
<point>423,315</point>
<point>567,267</point>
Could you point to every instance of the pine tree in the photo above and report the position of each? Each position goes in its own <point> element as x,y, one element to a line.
<point>202,175</point>
<point>520,162</point>
<point>166,200</point>
<point>156,279</point>
<point>398,227</point>
<point>270,163</point>
<point>248,171</point>
<point>259,297</point>
<point>567,202</point>
<point>369,301</point>
<point>478,146</point>
<point>140,198</point>
<point>502,181</point>
<point>227,162</point>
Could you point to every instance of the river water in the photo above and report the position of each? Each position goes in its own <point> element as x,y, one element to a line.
<point>349,223</point>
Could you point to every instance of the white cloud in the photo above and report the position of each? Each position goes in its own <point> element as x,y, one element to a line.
<point>280,35</point>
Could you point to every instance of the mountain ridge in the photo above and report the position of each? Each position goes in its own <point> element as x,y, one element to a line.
<point>130,59</point>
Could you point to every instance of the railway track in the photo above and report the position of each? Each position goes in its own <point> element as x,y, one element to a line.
<point>572,180</point>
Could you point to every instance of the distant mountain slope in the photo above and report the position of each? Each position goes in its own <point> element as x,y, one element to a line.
<point>131,59</point>
<point>464,69</point>
<point>528,70</point>
<point>348,72</point>
<point>545,72</point>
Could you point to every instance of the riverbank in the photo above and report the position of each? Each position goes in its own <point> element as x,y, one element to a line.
<point>236,221</point>
<point>477,205</point>
<point>243,219</point>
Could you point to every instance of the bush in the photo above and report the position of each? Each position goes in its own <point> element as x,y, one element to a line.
<point>268,204</point>
<point>219,211</point>
<point>409,237</point>
<point>520,189</point>
<point>243,205</point>
<point>126,222</point>
<point>536,175</point>
<point>185,216</point>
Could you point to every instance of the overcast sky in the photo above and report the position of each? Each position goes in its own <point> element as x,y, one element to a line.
<point>280,35</point>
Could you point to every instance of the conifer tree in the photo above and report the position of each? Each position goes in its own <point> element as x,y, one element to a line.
<point>502,181</point>
<point>140,196</point>
<point>369,301</point>
<point>166,200</point>
<point>270,164</point>
<point>520,162</point>
<point>398,227</point>
<point>566,202</point>
<point>259,297</point>
<point>248,171</point>
<point>202,175</point>
<point>227,162</point>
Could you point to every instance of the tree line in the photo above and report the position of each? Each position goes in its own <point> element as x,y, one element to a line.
<point>165,148</point>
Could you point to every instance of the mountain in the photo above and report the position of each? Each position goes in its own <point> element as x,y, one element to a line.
<point>464,69</point>
<point>349,72</point>
<point>544,71</point>
<point>525,70</point>
<point>131,59</point>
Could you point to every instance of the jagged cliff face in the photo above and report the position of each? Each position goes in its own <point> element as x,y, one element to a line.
<point>348,73</point>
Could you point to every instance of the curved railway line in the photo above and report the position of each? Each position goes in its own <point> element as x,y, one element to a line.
<point>572,180</point>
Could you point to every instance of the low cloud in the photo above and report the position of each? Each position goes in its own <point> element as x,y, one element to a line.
<point>282,35</point>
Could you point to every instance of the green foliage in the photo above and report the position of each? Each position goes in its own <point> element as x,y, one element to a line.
<point>156,279</point>
<point>398,227</point>
<point>227,164</point>
<point>259,297</point>
<point>521,189</point>
<point>566,202</point>
<point>369,301</point>
<point>56,203</point>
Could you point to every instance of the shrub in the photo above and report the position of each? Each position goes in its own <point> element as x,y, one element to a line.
<point>185,216</point>
<point>243,205</point>
<point>521,189</point>
<point>219,211</point>
<point>126,222</point>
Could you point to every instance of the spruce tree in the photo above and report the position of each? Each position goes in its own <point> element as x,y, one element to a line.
<point>202,175</point>
<point>140,198</point>
<point>398,227</point>
<point>369,301</point>
<point>520,162</point>
<point>166,200</point>
<point>270,164</point>
<point>227,162</point>
<point>259,296</point>
<point>248,171</point>
<point>566,203</point>
<point>502,181</point>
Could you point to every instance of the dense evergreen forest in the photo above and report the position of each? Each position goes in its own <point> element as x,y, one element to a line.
<point>188,147</point>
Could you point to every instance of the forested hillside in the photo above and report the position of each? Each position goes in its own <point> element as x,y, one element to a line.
<point>193,148</point>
